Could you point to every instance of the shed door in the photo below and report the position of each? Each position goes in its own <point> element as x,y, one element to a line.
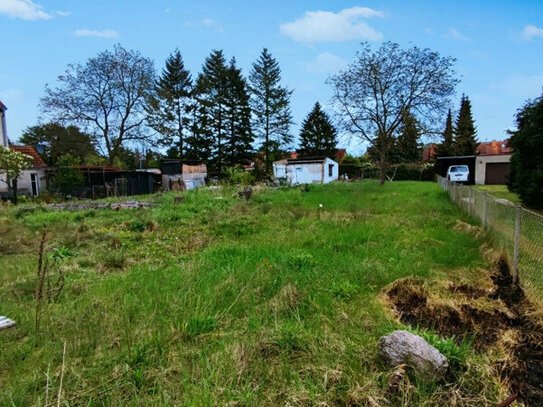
<point>34,181</point>
<point>497,173</point>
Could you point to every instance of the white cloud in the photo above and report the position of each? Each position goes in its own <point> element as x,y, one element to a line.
<point>207,22</point>
<point>63,13</point>
<point>326,26</point>
<point>525,86</point>
<point>454,34</point>
<point>23,9</point>
<point>531,31</point>
<point>326,63</point>
<point>97,33</point>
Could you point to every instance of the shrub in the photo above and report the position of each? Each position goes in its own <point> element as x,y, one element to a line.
<point>238,176</point>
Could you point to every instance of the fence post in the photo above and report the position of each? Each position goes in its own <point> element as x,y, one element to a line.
<point>484,209</point>
<point>517,244</point>
<point>469,202</point>
<point>454,191</point>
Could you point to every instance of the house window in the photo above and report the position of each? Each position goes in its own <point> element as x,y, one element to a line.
<point>330,170</point>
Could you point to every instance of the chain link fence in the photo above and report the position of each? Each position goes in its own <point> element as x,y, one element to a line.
<point>518,230</point>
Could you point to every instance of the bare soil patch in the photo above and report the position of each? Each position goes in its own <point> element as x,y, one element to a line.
<point>502,318</point>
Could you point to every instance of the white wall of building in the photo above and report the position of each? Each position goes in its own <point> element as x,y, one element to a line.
<point>482,160</point>
<point>307,172</point>
<point>3,130</point>
<point>25,181</point>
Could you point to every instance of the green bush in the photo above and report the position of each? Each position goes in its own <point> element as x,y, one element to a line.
<point>411,172</point>
<point>238,176</point>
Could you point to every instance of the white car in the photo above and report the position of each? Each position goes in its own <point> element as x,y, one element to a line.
<point>458,173</point>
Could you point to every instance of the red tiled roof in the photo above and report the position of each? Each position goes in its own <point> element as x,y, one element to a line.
<point>493,147</point>
<point>340,153</point>
<point>28,150</point>
<point>428,154</point>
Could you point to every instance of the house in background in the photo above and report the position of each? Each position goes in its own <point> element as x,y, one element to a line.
<point>306,170</point>
<point>490,166</point>
<point>493,163</point>
<point>31,181</point>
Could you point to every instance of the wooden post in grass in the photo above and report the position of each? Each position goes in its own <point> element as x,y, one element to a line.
<point>517,244</point>
<point>484,208</point>
<point>469,202</point>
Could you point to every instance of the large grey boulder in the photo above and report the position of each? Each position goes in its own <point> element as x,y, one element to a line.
<point>402,347</point>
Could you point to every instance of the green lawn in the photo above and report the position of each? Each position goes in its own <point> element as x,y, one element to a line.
<point>215,301</point>
<point>500,191</point>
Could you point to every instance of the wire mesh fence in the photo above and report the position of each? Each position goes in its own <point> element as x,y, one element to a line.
<point>518,230</point>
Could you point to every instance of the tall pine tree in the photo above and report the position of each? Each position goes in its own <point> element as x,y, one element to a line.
<point>407,147</point>
<point>239,137</point>
<point>318,135</point>
<point>169,108</point>
<point>465,142</point>
<point>446,148</point>
<point>210,127</point>
<point>270,105</point>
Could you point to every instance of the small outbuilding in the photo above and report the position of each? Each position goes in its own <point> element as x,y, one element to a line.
<point>180,175</point>
<point>306,170</point>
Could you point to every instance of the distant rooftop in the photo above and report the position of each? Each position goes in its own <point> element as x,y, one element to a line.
<point>493,147</point>
<point>30,151</point>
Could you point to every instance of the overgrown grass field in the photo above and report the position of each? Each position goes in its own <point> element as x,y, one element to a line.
<point>216,301</point>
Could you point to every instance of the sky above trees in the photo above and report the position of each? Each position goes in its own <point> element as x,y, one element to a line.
<point>499,47</point>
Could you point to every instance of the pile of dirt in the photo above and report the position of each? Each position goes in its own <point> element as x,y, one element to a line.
<point>491,317</point>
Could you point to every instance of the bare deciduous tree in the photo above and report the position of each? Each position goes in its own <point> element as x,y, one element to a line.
<point>374,91</point>
<point>106,95</point>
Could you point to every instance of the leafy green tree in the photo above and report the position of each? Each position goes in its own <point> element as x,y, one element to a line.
<point>169,107</point>
<point>270,103</point>
<point>526,175</point>
<point>318,135</point>
<point>12,164</point>
<point>446,147</point>
<point>408,147</point>
<point>465,142</point>
<point>67,177</point>
<point>107,95</point>
<point>58,140</point>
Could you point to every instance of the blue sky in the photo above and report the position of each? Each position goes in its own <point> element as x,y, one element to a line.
<point>498,45</point>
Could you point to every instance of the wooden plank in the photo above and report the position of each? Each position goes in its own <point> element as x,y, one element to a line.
<point>6,323</point>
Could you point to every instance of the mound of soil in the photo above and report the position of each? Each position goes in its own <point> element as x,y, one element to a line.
<point>506,309</point>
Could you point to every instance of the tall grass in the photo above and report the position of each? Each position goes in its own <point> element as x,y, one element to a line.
<point>221,301</point>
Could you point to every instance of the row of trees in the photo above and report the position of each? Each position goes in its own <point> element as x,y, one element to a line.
<point>216,118</point>
<point>388,97</point>
<point>460,139</point>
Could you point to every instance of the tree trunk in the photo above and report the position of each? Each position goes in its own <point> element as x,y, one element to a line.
<point>382,169</point>
<point>382,174</point>
<point>14,186</point>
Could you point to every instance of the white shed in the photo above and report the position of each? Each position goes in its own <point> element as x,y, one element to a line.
<point>307,170</point>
